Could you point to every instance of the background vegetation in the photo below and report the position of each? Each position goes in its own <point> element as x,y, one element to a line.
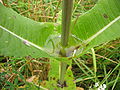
<point>17,72</point>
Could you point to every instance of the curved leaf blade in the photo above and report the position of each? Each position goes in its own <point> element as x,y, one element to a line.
<point>92,22</point>
<point>102,30</point>
<point>32,31</point>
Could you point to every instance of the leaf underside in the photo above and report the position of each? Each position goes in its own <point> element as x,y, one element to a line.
<point>45,36</point>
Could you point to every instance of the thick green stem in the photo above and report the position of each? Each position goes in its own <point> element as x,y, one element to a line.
<point>62,73</point>
<point>66,20</point>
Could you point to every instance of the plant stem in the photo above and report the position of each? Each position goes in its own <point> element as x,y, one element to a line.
<point>62,73</point>
<point>94,64</point>
<point>66,20</point>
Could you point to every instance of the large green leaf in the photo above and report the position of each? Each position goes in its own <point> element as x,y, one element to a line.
<point>99,25</point>
<point>20,36</point>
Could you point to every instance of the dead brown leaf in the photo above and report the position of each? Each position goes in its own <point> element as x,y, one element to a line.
<point>79,88</point>
<point>1,1</point>
<point>30,79</point>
